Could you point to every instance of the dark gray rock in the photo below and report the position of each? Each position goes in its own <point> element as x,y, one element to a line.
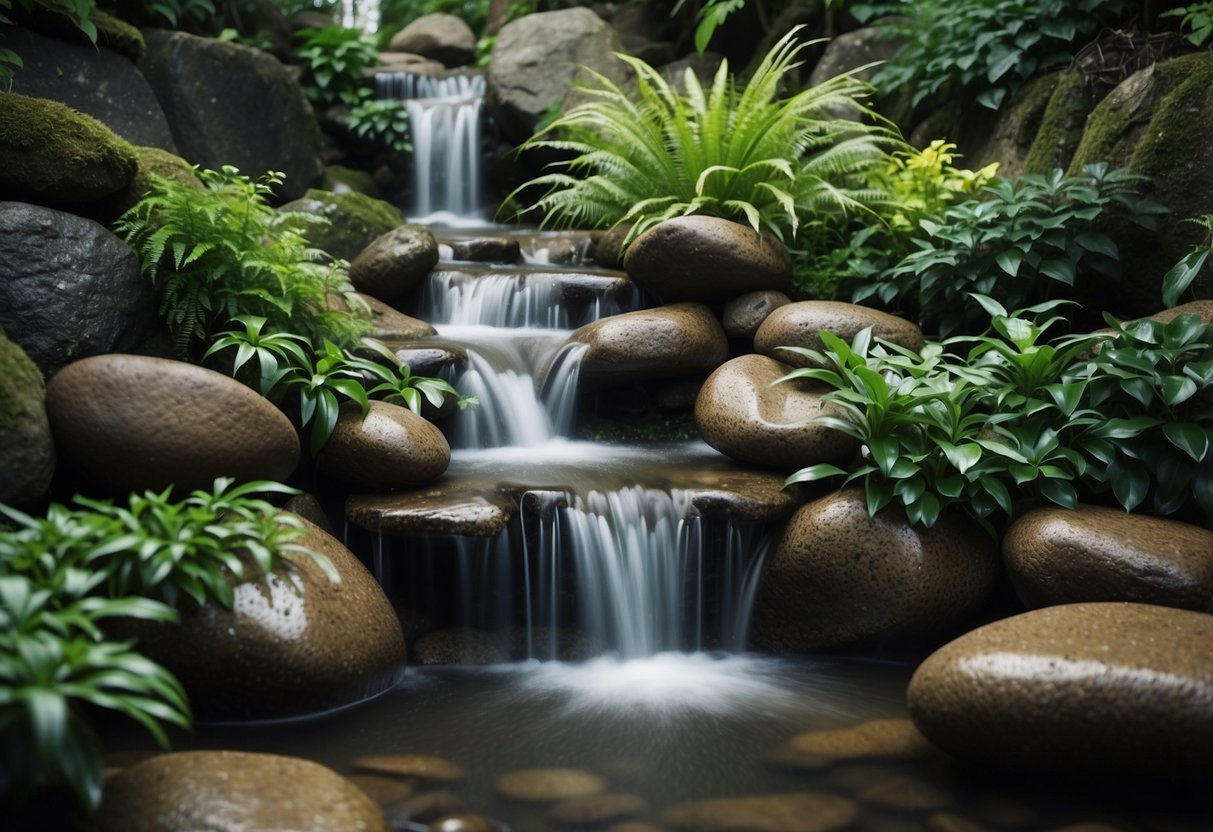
<point>234,105</point>
<point>93,80</point>
<point>68,288</point>
<point>27,451</point>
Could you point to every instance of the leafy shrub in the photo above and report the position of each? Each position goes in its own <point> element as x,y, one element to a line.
<point>1030,239</point>
<point>333,59</point>
<point>982,49</point>
<point>1177,280</point>
<point>1197,21</point>
<point>385,122</point>
<point>76,11</point>
<point>62,574</point>
<point>739,153</point>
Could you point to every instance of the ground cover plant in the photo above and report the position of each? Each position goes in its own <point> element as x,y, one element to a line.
<point>64,574</point>
<point>739,152</point>
<point>333,59</point>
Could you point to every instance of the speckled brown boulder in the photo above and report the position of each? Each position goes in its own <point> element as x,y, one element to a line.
<point>597,809</point>
<point>707,259</point>
<point>443,37</point>
<point>1058,556</point>
<point>676,340</point>
<point>395,262</point>
<point>803,812</point>
<point>387,322</point>
<point>131,422</point>
<point>301,645</point>
<point>838,576</point>
<point>798,325</point>
<point>234,790</point>
<point>425,767</point>
<point>1078,688</point>
<point>389,447</point>
<point>877,739</point>
<point>742,414</point>
<point>744,315</point>
<point>548,785</point>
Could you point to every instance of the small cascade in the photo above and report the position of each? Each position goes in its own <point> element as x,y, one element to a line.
<point>500,300</point>
<point>444,123</point>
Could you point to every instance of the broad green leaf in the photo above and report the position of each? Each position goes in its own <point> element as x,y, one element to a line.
<point>1189,437</point>
<point>814,473</point>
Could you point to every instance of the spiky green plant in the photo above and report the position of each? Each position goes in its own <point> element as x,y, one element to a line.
<point>741,153</point>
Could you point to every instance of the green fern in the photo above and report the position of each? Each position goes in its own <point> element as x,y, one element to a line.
<point>739,153</point>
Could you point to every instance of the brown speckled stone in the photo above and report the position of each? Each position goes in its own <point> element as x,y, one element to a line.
<point>1058,556</point>
<point>443,508</point>
<point>837,575</point>
<point>233,790</point>
<point>384,790</point>
<point>744,315</point>
<point>395,262</point>
<point>389,447</point>
<point>1080,688</point>
<point>548,785</point>
<point>131,422</point>
<point>676,340</point>
<point>607,248</point>
<point>907,794</point>
<point>290,649</point>
<point>798,325</point>
<point>883,739</point>
<point>742,414</point>
<point>707,259</point>
<point>387,322</point>
<point>596,809</point>
<point>806,812</point>
<point>422,766</point>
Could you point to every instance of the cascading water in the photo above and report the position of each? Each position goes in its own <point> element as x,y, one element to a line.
<point>444,124</point>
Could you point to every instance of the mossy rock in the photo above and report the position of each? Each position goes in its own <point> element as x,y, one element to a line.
<point>355,220</point>
<point>152,160</point>
<point>52,155</point>
<point>1006,137</point>
<point>339,179</point>
<point>1158,122</point>
<point>1061,127</point>
<point>27,452</point>
<point>112,32</point>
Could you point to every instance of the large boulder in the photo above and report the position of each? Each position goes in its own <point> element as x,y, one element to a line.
<point>1116,688</point>
<point>229,104</point>
<point>131,422</point>
<point>838,575</point>
<point>389,447</point>
<point>800,325</point>
<point>395,262</point>
<point>68,288</point>
<point>535,61</point>
<point>27,452</point>
<point>92,80</point>
<point>300,643</point>
<point>354,221</point>
<point>682,339</point>
<point>1006,137</point>
<point>707,259</point>
<point>1059,556</point>
<point>742,413</point>
<point>235,790</point>
<point>443,37</point>
<point>52,155</point>
<point>1157,122</point>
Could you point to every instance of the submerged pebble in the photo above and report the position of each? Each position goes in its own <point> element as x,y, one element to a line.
<point>548,785</point>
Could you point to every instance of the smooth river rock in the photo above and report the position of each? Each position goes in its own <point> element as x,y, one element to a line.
<point>597,809</point>
<point>799,812</point>
<point>548,785</point>
<point>744,315</point>
<point>1108,687</point>
<point>442,37</point>
<point>669,341</point>
<point>27,451</point>
<point>235,791</point>
<point>1094,553</point>
<point>798,325</point>
<point>425,767</point>
<point>877,739</point>
<point>389,447</point>
<point>838,576</point>
<point>744,415</point>
<point>300,645</point>
<point>395,262</point>
<point>131,422</point>
<point>706,259</point>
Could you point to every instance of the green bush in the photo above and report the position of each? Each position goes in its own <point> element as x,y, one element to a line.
<point>1196,20</point>
<point>76,11</point>
<point>385,122</point>
<point>741,153</point>
<point>333,59</point>
<point>1031,239</point>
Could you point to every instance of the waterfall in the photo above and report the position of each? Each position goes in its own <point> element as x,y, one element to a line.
<point>444,124</point>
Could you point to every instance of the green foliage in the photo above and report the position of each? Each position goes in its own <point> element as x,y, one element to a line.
<point>385,122</point>
<point>1031,239</point>
<point>62,574</point>
<point>982,49</point>
<point>1197,21</point>
<point>1176,281</point>
<point>1150,382</point>
<point>333,59</point>
<point>76,11</point>
<point>178,12</point>
<point>739,153</point>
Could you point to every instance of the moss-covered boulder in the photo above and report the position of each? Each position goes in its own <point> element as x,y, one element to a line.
<point>112,33</point>
<point>341,180</point>
<point>1060,128</point>
<point>152,161</point>
<point>1158,122</point>
<point>354,220</point>
<point>1006,137</point>
<point>94,80</point>
<point>27,452</point>
<point>52,155</point>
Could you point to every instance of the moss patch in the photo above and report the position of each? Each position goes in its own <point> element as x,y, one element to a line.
<point>52,155</point>
<point>152,160</point>
<point>118,35</point>
<point>355,220</point>
<point>342,179</point>
<point>1061,126</point>
<point>22,392</point>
